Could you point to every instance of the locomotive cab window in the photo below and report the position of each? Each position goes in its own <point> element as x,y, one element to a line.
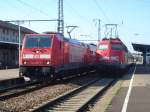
<point>38,42</point>
<point>117,47</point>
<point>103,47</point>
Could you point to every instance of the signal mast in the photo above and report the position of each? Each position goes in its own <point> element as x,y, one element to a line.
<point>60,27</point>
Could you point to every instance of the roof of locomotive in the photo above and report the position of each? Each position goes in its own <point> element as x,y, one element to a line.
<point>45,33</point>
<point>113,40</point>
<point>72,41</point>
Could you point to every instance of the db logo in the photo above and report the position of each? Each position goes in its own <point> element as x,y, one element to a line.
<point>36,56</point>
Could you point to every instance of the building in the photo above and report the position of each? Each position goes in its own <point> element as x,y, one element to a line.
<point>138,56</point>
<point>145,50</point>
<point>9,43</point>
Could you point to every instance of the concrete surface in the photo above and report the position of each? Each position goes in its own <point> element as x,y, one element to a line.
<point>139,100</point>
<point>9,74</point>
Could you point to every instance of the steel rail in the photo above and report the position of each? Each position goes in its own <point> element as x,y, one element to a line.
<point>76,100</point>
<point>21,91</point>
<point>15,91</point>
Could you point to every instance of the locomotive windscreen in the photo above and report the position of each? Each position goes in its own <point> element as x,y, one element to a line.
<point>38,42</point>
<point>103,47</point>
<point>117,47</point>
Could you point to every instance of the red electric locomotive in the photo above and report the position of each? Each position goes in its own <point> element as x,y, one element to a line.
<point>113,55</point>
<point>53,55</point>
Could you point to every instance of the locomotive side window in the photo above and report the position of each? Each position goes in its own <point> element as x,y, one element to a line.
<point>38,42</point>
<point>103,47</point>
<point>117,47</point>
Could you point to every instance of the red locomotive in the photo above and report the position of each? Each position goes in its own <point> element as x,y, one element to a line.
<point>113,55</point>
<point>54,56</point>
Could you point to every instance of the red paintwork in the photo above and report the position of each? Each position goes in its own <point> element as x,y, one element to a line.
<point>62,52</point>
<point>112,56</point>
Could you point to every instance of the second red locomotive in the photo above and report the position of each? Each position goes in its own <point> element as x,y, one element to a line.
<point>113,55</point>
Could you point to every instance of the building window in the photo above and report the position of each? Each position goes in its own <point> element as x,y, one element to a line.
<point>7,32</point>
<point>3,31</point>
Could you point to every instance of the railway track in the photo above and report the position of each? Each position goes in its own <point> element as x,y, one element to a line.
<point>76,100</point>
<point>19,85</point>
<point>10,92</point>
<point>11,82</point>
<point>14,91</point>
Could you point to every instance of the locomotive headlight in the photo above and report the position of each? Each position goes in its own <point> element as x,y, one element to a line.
<point>47,62</point>
<point>25,62</point>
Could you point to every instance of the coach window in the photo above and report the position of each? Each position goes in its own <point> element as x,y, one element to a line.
<point>103,47</point>
<point>3,31</point>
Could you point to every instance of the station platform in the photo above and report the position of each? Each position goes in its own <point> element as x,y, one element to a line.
<point>7,74</point>
<point>134,94</point>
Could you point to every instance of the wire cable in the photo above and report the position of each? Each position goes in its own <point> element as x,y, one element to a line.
<point>15,7</point>
<point>100,8</point>
<point>34,8</point>
<point>76,12</point>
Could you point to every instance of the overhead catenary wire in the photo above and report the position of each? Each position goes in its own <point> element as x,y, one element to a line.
<point>100,8</point>
<point>33,20</point>
<point>37,10</point>
<point>80,15</point>
<point>15,7</point>
<point>34,8</point>
<point>76,12</point>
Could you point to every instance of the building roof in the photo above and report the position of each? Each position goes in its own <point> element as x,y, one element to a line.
<point>14,27</point>
<point>141,47</point>
<point>6,45</point>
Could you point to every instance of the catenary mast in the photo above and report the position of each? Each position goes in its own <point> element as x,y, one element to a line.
<point>60,27</point>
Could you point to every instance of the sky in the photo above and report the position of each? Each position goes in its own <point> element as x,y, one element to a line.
<point>132,17</point>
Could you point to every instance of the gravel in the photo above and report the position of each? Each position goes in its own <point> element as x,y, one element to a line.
<point>32,99</point>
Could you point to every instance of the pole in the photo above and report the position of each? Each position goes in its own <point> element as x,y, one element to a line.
<point>60,27</point>
<point>99,29</point>
<point>19,42</point>
<point>111,32</point>
<point>116,32</point>
<point>98,21</point>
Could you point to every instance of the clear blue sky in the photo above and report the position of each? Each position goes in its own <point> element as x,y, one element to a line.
<point>132,16</point>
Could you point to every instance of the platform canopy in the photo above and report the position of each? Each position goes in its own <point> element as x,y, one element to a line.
<point>9,45</point>
<point>141,47</point>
